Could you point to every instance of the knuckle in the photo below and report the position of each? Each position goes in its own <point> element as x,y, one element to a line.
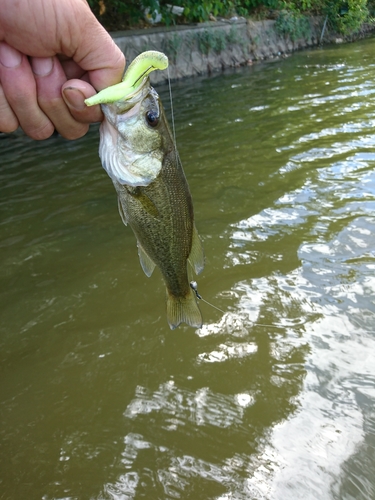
<point>42,132</point>
<point>8,121</point>
<point>8,126</point>
<point>76,132</point>
<point>50,106</point>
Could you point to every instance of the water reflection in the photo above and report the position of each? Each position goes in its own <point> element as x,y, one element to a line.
<point>339,323</point>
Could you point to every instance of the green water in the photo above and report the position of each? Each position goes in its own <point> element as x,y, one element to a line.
<point>274,398</point>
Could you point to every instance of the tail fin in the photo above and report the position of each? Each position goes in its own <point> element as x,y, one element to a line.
<point>183,310</point>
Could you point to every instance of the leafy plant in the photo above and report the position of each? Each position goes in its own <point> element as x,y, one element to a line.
<point>234,36</point>
<point>172,45</point>
<point>293,24</point>
<point>347,17</point>
<point>202,10</point>
<point>207,40</point>
<point>220,41</point>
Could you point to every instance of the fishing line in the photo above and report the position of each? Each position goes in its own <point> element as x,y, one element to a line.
<point>209,303</point>
<point>172,111</point>
<point>194,287</point>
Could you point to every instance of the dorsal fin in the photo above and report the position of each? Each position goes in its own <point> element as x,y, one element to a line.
<point>196,257</point>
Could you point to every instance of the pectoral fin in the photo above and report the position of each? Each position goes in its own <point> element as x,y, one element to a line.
<point>146,203</point>
<point>121,212</point>
<point>147,264</point>
<point>196,257</point>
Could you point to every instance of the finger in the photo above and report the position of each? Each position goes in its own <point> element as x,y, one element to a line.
<point>71,68</point>
<point>108,71</point>
<point>95,51</point>
<point>8,120</point>
<point>50,77</point>
<point>74,93</point>
<point>19,88</point>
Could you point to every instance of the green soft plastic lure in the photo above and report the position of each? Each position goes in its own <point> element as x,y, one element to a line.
<point>141,66</point>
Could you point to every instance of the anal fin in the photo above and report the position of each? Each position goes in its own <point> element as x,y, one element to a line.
<point>196,257</point>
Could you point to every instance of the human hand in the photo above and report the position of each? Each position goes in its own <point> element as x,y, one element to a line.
<point>53,55</point>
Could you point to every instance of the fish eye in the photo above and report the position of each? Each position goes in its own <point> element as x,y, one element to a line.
<point>152,118</point>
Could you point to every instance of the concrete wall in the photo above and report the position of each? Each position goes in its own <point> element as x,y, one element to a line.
<point>204,48</point>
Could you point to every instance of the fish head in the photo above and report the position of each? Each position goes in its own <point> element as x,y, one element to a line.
<point>132,137</point>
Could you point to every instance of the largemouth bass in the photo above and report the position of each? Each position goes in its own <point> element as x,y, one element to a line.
<point>139,154</point>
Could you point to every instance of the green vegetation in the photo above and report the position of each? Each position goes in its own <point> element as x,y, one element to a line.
<point>344,16</point>
<point>210,39</point>
<point>217,40</point>
<point>347,17</point>
<point>291,23</point>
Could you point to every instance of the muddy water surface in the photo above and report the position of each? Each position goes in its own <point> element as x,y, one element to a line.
<point>274,398</point>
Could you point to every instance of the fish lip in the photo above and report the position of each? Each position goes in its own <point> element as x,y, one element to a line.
<point>123,105</point>
<point>139,88</point>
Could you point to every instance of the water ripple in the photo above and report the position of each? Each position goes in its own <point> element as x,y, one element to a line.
<point>273,398</point>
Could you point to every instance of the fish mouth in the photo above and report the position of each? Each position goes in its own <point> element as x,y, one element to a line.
<point>126,104</point>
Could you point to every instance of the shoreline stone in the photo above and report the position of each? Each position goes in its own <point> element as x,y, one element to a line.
<point>214,46</point>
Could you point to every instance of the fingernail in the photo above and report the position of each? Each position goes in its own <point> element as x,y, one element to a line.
<point>42,66</point>
<point>9,57</point>
<point>74,98</point>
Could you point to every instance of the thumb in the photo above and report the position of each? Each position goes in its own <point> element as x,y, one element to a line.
<point>97,53</point>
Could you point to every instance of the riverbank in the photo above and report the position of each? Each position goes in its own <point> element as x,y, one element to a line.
<point>209,47</point>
